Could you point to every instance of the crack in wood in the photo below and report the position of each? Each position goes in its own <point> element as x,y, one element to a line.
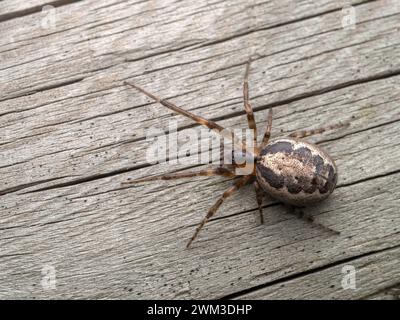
<point>28,11</point>
<point>41,89</point>
<point>277,25</point>
<point>28,185</point>
<point>298,275</point>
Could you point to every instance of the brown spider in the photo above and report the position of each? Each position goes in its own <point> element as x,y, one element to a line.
<point>291,170</point>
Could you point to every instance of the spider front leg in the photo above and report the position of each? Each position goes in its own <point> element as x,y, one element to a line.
<point>307,133</point>
<point>227,134</point>
<point>236,186</point>
<point>247,106</point>
<point>267,133</point>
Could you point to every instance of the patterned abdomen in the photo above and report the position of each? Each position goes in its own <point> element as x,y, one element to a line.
<point>296,172</point>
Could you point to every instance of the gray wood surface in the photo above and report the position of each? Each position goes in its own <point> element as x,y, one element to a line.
<point>71,132</point>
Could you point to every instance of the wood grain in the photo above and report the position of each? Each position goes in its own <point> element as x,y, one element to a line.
<point>71,132</point>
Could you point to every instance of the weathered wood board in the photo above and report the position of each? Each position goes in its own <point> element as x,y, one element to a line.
<point>71,132</point>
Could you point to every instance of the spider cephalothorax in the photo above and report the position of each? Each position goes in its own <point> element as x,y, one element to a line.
<point>291,170</point>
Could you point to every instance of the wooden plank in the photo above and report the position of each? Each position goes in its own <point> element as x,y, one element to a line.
<point>111,109</point>
<point>95,147</point>
<point>139,233</point>
<point>94,44</point>
<point>123,250</point>
<point>377,272</point>
<point>71,132</point>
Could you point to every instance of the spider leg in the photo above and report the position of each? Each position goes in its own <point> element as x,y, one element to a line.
<point>247,105</point>
<point>267,133</point>
<point>307,133</point>
<point>207,123</point>
<point>310,219</point>
<point>236,186</point>
<point>217,171</point>
<point>259,198</point>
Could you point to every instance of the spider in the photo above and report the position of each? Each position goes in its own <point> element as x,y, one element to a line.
<point>293,171</point>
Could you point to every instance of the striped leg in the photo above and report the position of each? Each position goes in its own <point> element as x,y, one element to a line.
<point>247,105</point>
<point>259,198</point>
<point>267,133</point>
<point>218,171</point>
<point>236,186</point>
<point>307,133</point>
<point>207,123</point>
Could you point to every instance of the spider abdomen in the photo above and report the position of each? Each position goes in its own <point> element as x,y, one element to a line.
<point>296,172</point>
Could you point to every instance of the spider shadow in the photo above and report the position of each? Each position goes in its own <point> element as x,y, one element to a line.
<point>289,221</point>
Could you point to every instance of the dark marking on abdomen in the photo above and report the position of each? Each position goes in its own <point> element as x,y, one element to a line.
<point>284,147</point>
<point>274,180</point>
